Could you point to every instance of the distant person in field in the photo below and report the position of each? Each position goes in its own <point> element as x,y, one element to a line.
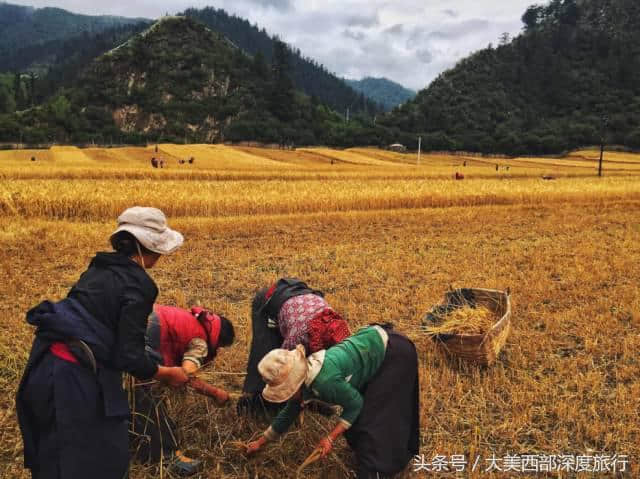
<point>287,314</point>
<point>372,376</point>
<point>72,409</point>
<point>175,337</point>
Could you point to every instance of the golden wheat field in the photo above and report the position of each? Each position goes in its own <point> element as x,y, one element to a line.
<point>385,238</point>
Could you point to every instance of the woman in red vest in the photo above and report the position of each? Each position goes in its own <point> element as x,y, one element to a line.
<point>175,337</point>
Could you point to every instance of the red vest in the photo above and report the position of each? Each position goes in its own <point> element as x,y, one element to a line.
<point>178,327</point>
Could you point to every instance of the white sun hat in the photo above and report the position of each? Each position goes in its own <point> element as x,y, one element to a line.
<point>284,372</point>
<point>149,226</point>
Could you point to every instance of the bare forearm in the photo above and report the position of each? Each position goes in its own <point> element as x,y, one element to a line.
<point>189,367</point>
<point>174,376</point>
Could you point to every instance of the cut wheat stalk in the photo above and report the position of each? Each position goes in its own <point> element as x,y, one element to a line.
<point>464,320</point>
<point>239,445</point>
<point>313,457</point>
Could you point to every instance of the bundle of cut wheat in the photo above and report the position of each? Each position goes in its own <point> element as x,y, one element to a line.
<point>464,320</point>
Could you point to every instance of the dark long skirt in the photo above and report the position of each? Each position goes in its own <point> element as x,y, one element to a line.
<point>386,435</point>
<point>152,430</point>
<point>73,437</point>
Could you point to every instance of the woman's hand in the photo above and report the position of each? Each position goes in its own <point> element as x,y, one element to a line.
<point>255,446</point>
<point>173,376</point>
<point>222,397</point>
<point>325,446</point>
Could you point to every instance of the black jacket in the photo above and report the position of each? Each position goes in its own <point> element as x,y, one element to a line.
<point>120,294</point>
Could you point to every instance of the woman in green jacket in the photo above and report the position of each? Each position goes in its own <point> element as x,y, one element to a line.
<point>373,376</point>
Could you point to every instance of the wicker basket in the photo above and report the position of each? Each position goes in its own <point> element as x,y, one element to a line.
<point>479,348</point>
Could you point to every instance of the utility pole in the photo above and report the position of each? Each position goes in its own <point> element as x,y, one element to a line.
<point>347,114</point>
<point>419,148</point>
<point>601,155</point>
<point>605,120</point>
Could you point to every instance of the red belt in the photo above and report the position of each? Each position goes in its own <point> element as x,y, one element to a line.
<point>62,351</point>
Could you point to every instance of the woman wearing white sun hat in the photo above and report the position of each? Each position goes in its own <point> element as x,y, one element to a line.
<point>373,376</point>
<point>72,410</point>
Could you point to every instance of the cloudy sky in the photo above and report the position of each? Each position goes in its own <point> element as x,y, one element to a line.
<point>408,41</point>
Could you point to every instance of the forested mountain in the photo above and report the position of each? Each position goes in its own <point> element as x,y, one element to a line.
<point>62,61</point>
<point>385,92</point>
<point>571,76</point>
<point>179,81</point>
<point>35,39</point>
<point>24,30</point>
<point>309,76</point>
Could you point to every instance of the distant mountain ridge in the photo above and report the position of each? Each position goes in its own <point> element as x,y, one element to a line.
<point>34,39</point>
<point>23,27</point>
<point>383,91</point>
<point>178,81</point>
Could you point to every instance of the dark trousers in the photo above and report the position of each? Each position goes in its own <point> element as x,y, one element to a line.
<point>386,435</point>
<point>263,340</point>
<point>152,432</point>
<point>73,437</point>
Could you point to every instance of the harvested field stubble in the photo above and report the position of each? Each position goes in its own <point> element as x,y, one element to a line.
<point>226,163</point>
<point>567,381</point>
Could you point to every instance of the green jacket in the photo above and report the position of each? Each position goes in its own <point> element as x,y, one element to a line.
<point>347,368</point>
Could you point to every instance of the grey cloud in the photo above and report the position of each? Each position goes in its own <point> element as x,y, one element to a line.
<point>451,13</point>
<point>363,20</point>
<point>328,23</point>
<point>354,35</point>
<point>397,29</point>
<point>380,59</point>
<point>437,36</point>
<point>462,29</point>
<point>448,32</point>
<point>282,5</point>
<point>424,56</point>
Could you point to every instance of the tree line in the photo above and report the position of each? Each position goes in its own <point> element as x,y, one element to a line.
<point>569,80</point>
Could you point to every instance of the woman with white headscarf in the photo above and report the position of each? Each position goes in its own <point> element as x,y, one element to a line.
<point>373,377</point>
